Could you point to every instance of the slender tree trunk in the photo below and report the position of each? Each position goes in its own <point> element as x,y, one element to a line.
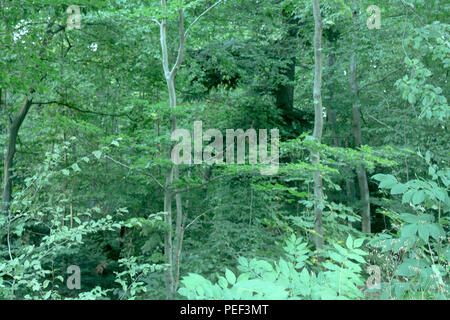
<point>284,92</point>
<point>360,170</point>
<point>318,125</point>
<point>17,123</point>
<point>179,233</point>
<point>331,113</point>
<point>173,245</point>
<point>168,245</point>
<point>331,117</point>
<point>350,183</point>
<point>172,250</point>
<point>11,150</point>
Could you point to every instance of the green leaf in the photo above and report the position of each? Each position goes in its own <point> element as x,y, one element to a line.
<point>358,242</point>
<point>97,153</point>
<point>379,177</point>
<point>284,267</point>
<point>406,269</point>
<point>408,217</point>
<point>357,258</point>
<point>407,196</point>
<point>418,197</point>
<point>337,257</point>
<point>427,156</point>
<point>431,171</point>
<point>388,182</point>
<point>349,242</point>
<point>441,195</point>
<point>409,230</point>
<point>435,231</point>
<point>399,189</point>
<point>76,168</point>
<point>223,282</point>
<point>411,98</point>
<point>340,249</point>
<point>423,231</point>
<point>331,266</point>
<point>243,261</point>
<point>230,276</point>
<point>304,276</point>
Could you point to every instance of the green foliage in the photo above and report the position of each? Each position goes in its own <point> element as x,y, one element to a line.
<point>419,245</point>
<point>287,278</point>
<point>131,279</point>
<point>90,166</point>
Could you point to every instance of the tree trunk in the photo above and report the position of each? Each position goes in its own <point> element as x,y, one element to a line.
<point>318,125</point>
<point>350,183</point>
<point>168,245</point>
<point>172,250</point>
<point>284,50</point>
<point>17,123</point>
<point>331,113</point>
<point>360,170</point>
<point>11,150</point>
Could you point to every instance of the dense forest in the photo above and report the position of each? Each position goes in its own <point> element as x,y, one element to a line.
<point>224,149</point>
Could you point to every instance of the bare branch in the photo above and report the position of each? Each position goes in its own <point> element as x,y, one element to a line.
<point>130,168</point>
<point>163,39</point>
<point>156,21</point>
<point>380,80</point>
<point>200,185</point>
<point>68,41</point>
<point>384,124</point>
<point>197,217</point>
<point>182,44</point>
<point>65,104</point>
<point>201,15</point>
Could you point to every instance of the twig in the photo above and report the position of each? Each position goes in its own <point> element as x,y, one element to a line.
<point>130,168</point>
<point>196,218</point>
<point>199,185</point>
<point>201,15</point>
<point>384,124</point>
<point>65,104</point>
<point>156,21</point>
<point>68,41</point>
<point>380,80</point>
<point>8,235</point>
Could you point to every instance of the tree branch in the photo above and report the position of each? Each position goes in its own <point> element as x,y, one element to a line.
<point>196,218</point>
<point>199,185</point>
<point>201,15</point>
<point>163,35</point>
<point>65,104</point>
<point>380,80</point>
<point>156,21</point>
<point>130,168</point>
<point>182,44</point>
